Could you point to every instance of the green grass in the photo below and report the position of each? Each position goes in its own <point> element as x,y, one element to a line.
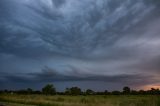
<point>108,100</point>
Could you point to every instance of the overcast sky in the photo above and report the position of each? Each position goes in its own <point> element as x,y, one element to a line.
<point>96,44</point>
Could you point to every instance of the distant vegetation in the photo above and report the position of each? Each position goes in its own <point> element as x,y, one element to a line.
<point>50,89</point>
<point>74,96</point>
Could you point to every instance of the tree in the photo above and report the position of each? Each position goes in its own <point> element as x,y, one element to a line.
<point>89,92</point>
<point>74,91</point>
<point>49,89</point>
<point>67,91</point>
<point>116,92</point>
<point>29,91</point>
<point>134,92</point>
<point>106,92</point>
<point>154,91</point>
<point>126,90</point>
<point>141,92</point>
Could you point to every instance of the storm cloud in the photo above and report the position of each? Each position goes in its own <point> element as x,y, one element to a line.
<point>112,41</point>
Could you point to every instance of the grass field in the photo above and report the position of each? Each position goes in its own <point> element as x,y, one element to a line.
<point>108,100</point>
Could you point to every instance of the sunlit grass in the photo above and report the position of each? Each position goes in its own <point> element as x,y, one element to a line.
<point>108,100</point>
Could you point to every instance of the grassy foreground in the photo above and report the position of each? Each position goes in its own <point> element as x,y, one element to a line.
<point>108,100</point>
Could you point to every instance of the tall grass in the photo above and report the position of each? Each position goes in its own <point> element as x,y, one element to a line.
<point>108,100</point>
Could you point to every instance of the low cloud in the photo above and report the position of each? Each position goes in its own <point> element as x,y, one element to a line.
<point>48,75</point>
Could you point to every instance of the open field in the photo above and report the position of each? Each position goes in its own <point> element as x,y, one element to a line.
<point>108,100</point>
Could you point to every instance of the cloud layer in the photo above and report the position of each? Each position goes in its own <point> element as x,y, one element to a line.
<point>88,40</point>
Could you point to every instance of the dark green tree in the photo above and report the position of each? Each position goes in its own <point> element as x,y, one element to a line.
<point>49,89</point>
<point>75,91</point>
<point>116,92</point>
<point>134,92</point>
<point>154,91</point>
<point>126,90</point>
<point>89,92</point>
<point>106,92</point>
<point>67,91</point>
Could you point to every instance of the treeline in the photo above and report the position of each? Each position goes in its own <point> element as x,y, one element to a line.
<point>49,89</point>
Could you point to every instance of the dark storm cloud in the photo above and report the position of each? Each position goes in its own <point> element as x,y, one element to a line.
<point>151,65</point>
<point>58,2</point>
<point>103,40</point>
<point>49,75</point>
<point>69,34</point>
